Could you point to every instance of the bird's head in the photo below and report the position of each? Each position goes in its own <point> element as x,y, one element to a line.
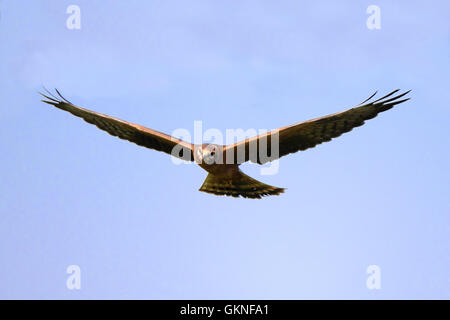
<point>208,154</point>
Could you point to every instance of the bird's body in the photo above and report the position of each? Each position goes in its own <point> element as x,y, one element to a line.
<point>226,178</point>
<point>222,162</point>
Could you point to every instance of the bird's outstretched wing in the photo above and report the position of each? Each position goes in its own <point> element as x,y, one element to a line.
<point>135,133</point>
<point>308,134</point>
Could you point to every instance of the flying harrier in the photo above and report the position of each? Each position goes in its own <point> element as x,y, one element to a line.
<point>222,162</point>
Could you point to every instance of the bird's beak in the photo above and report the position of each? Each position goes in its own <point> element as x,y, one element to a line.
<point>199,154</point>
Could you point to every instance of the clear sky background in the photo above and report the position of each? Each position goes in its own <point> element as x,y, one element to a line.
<point>135,223</point>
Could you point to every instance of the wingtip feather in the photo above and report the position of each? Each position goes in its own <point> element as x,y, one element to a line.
<point>373,95</point>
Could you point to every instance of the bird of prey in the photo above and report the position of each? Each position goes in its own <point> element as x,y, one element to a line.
<point>224,176</point>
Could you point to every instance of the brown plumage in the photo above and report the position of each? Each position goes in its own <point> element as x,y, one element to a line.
<point>238,184</point>
<point>224,176</point>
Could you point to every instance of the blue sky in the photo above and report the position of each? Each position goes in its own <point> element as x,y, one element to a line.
<point>136,224</point>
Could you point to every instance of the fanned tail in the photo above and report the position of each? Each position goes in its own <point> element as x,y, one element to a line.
<point>240,185</point>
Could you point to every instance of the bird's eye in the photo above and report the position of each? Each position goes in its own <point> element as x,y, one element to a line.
<point>213,153</point>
